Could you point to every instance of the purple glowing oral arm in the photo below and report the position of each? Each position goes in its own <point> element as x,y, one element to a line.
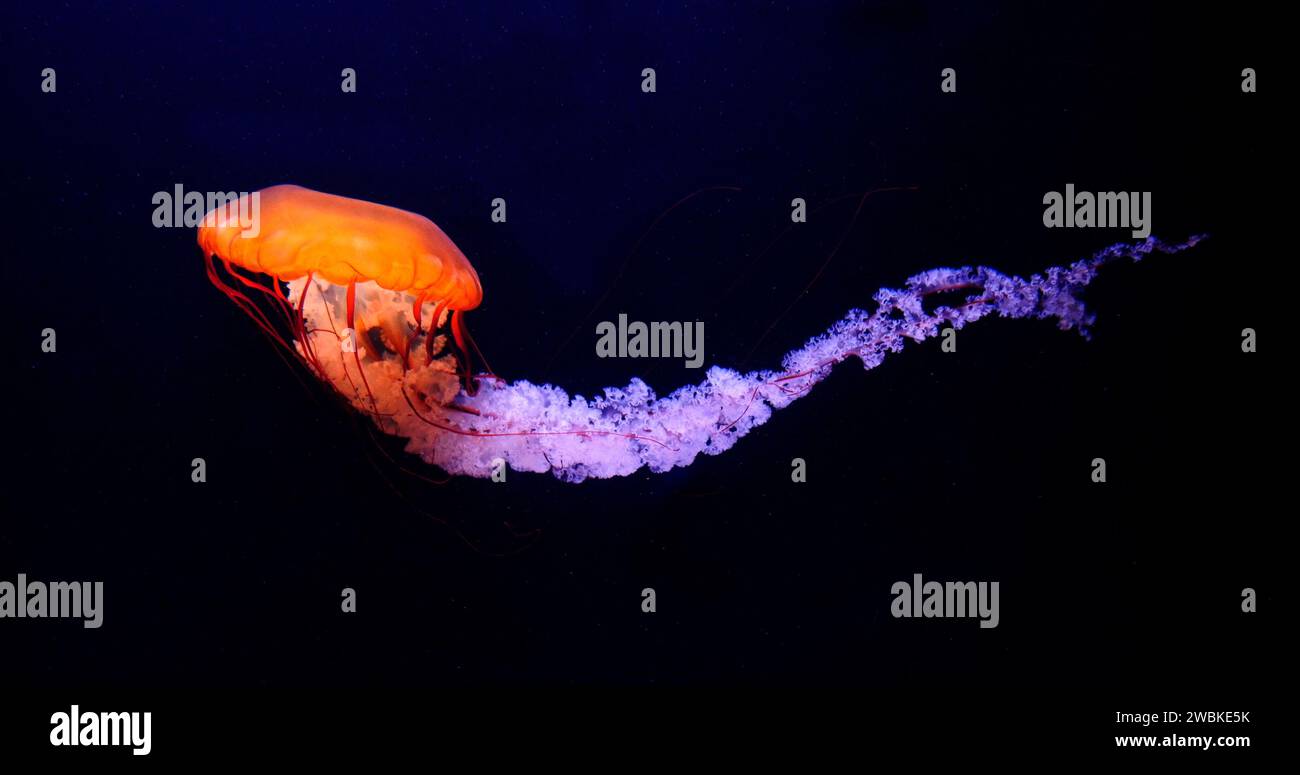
<point>542,428</point>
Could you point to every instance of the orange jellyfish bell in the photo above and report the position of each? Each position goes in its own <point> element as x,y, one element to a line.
<point>344,240</point>
<point>374,267</point>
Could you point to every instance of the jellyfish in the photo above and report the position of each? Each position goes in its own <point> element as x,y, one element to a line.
<point>347,246</point>
<point>341,285</point>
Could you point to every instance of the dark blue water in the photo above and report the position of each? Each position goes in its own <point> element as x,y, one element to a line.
<point>962,466</point>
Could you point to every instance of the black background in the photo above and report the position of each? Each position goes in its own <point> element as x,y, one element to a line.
<point>972,465</point>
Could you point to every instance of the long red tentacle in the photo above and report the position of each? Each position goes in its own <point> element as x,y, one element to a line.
<point>461,334</point>
<point>356,349</point>
<point>487,367</point>
<point>417,310</point>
